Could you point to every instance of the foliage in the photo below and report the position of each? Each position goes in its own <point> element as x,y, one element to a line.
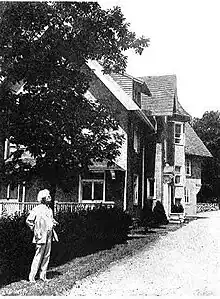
<point>44,46</point>
<point>159,214</point>
<point>208,129</point>
<point>79,233</point>
<point>177,208</point>
<point>154,217</point>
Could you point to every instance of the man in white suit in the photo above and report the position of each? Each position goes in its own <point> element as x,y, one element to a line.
<point>41,221</point>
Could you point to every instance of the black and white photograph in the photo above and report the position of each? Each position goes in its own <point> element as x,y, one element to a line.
<point>110,148</point>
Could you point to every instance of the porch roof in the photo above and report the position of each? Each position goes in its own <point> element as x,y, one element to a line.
<point>104,165</point>
<point>193,144</point>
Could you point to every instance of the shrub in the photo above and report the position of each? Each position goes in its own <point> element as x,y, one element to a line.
<point>177,208</point>
<point>79,233</point>
<point>154,218</point>
<point>159,214</point>
<point>89,230</point>
<point>16,250</point>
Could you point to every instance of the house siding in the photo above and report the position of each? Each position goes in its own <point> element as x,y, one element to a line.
<point>193,184</point>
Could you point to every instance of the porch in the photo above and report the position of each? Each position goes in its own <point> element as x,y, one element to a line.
<point>17,208</point>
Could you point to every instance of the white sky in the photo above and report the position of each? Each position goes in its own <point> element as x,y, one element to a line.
<point>185,40</point>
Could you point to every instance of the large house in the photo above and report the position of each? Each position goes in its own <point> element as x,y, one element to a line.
<point>156,162</point>
<point>179,151</point>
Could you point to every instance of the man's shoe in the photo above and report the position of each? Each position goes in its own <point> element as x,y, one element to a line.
<point>44,279</point>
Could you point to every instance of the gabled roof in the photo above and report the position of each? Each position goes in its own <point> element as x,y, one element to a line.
<point>193,144</point>
<point>122,79</point>
<point>110,83</point>
<point>164,100</point>
<point>117,91</point>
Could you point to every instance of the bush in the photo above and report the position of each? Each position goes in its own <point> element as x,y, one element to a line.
<point>79,233</point>
<point>177,208</point>
<point>159,214</point>
<point>16,248</point>
<point>154,218</point>
<point>86,231</point>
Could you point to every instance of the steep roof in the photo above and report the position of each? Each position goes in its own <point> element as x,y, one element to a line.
<point>193,144</point>
<point>117,91</point>
<point>164,100</point>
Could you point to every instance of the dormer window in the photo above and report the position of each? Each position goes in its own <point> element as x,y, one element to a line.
<point>137,97</point>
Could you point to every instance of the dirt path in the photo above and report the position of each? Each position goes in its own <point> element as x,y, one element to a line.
<point>183,262</point>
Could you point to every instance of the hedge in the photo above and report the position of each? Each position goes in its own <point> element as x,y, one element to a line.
<point>79,233</point>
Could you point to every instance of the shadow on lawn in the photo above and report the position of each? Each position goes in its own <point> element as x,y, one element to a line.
<point>58,258</point>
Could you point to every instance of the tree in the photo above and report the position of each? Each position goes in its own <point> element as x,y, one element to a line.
<point>208,129</point>
<point>45,46</point>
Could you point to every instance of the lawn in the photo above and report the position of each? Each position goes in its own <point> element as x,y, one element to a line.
<point>63,277</point>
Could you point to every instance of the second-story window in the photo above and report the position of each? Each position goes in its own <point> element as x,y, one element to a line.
<point>188,167</point>
<point>178,133</point>
<point>177,175</point>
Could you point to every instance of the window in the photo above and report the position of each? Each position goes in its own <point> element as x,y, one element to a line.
<point>186,194</point>
<point>136,140</point>
<point>137,97</point>
<point>177,179</point>
<point>188,167</point>
<point>177,169</point>
<point>178,133</point>
<point>135,189</point>
<point>15,191</point>
<point>150,187</point>
<point>177,174</point>
<point>92,187</point>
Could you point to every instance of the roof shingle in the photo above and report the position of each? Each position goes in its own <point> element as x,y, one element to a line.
<point>164,94</point>
<point>193,144</point>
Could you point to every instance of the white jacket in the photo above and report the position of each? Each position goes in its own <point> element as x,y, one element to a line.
<point>41,221</point>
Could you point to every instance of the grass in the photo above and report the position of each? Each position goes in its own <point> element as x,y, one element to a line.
<point>63,277</point>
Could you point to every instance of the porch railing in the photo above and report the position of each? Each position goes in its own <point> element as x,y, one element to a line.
<point>13,208</point>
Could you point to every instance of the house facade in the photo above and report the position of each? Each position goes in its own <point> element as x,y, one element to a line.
<point>179,151</point>
<point>123,183</point>
<point>157,161</point>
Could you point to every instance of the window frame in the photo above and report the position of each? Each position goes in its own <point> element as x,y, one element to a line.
<point>188,167</point>
<point>93,181</point>
<point>178,136</point>
<point>21,191</point>
<point>136,139</point>
<point>135,189</point>
<point>178,174</point>
<point>149,182</point>
<point>187,195</point>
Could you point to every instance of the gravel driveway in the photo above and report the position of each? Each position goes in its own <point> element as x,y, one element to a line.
<point>183,262</point>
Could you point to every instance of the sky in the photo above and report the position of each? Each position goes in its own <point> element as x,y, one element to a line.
<point>184,40</point>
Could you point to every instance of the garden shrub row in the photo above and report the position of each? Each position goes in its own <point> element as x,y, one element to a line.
<point>79,233</point>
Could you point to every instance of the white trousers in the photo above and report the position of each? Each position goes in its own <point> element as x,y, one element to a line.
<point>41,258</point>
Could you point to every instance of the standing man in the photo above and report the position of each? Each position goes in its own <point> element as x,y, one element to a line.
<point>41,222</point>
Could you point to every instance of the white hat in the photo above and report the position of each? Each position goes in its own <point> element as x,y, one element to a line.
<point>42,194</point>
